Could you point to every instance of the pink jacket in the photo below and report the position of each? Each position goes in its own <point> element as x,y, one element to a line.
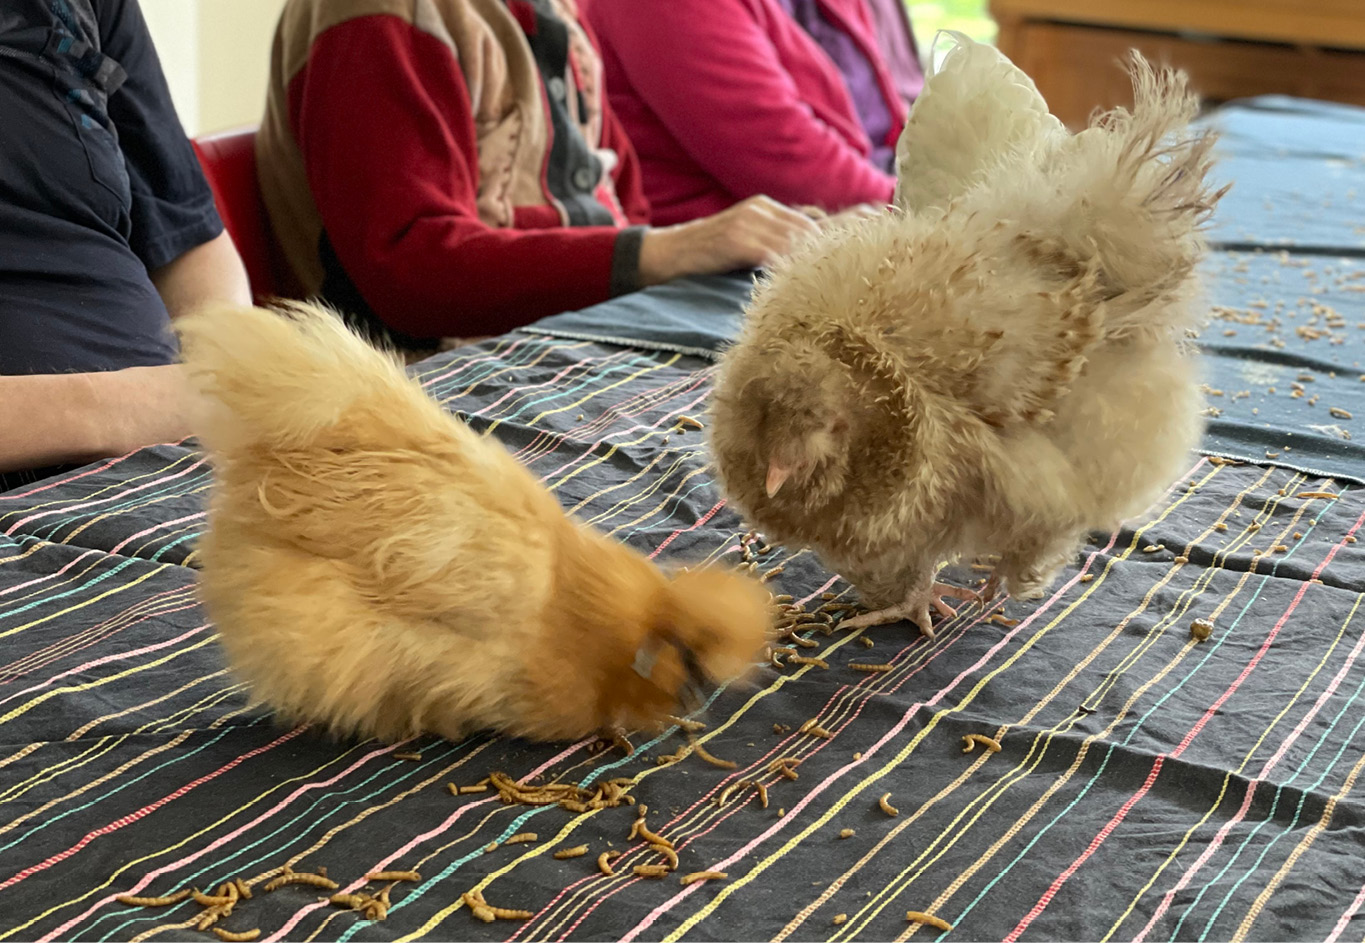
<point>726,99</point>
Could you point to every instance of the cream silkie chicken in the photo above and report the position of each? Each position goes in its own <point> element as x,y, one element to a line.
<point>377,567</point>
<point>996,365</point>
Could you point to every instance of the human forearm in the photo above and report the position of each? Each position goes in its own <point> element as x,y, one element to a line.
<point>211,272</point>
<point>79,417</point>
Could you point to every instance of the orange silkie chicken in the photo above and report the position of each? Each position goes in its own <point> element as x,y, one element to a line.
<point>376,567</point>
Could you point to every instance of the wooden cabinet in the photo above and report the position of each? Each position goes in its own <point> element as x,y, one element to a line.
<point>1230,48</point>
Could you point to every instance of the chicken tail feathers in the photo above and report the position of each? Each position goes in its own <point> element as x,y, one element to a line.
<point>282,379</point>
<point>1142,196</point>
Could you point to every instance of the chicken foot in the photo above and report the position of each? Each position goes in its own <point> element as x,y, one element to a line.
<point>916,608</point>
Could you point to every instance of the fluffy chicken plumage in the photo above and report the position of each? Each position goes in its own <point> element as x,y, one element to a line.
<point>995,366</point>
<point>376,566</point>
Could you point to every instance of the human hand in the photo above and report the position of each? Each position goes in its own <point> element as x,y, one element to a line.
<point>750,234</point>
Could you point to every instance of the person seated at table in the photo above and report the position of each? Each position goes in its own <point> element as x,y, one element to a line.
<point>450,168</point>
<point>890,21</point>
<point>107,231</point>
<point>727,98</point>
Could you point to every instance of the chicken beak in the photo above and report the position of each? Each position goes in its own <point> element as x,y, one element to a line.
<point>777,477</point>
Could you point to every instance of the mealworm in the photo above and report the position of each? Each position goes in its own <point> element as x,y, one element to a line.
<point>839,919</point>
<point>1000,618</point>
<point>762,795</point>
<point>410,757</point>
<point>243,890</point>
<point>382,876</point>
<point>643,832</point>
<point>208,918</point>
<point>725,793</point>
<point>938,923</point>
<point>573,805</point>
<point>885,804</point>
<point>650,871</point>
<point>1087,577</point>
<point>166,901</point>
<point>604,861</point>
<point>1152,548</point>
<point>861,666</point>
<point>522,838</point>
<point>467,790</point>
<point>803,642</point>
<point>205,900</point>
<point>972,739</point>
<point>668,853</point>
<point>817,731</point>
<point>375,910</point>
<point>577,851</point>
<point>350,901</point>
<point>491,846</point>
<point>696,876</point>
<point>691,726</point>
<point>242,937</point>
<point>865,641</point>
<point>1340,413</point>
<point>780,728</point>
<point>846,833</point>
<point>475,899</point>
<point>1315,494</point>
<point>454,789</point>
<point>773,573</point>
<point>690,423</point>
<point>714,761</point>
<point>804,660</point>
<point>302,877</point>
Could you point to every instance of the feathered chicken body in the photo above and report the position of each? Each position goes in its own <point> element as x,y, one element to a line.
<point>375,566</point>
<point>995,366</point>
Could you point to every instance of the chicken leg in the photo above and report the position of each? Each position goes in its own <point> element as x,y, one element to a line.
<point>916,608</point>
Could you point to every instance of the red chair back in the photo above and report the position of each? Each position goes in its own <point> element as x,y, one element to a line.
<point>229,162</point>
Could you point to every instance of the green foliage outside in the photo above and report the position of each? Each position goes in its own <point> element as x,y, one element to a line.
<point>965,16</point>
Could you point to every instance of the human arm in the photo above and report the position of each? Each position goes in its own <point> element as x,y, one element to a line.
<point>709,72</point>
<point>73,418</point>
<point>210,272</point>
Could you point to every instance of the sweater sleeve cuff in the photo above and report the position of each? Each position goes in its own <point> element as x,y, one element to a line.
<point>625,261</point>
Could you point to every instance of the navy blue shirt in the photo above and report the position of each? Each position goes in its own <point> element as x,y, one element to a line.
<point>98,186</point>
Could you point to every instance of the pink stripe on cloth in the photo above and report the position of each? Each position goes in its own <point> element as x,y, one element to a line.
<point>61,932</point>
<point>382,864</point>
<point>868,754</point>
<point>1168,898</point>
<point>1347,917</point>
<point>120,656</point>
<point>701,522</point>
<point>1193,732</point>
<point>67,479</point>
<point>44,579</point>
<point>140,814</point>
<point>164,524</point>
<point>69,508</point>
<point>461,364</point>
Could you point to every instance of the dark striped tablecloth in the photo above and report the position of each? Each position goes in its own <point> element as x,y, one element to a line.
<point>1150,786</point>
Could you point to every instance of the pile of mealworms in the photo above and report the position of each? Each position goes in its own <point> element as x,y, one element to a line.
<point>607,795</point>
<point>229,894</point>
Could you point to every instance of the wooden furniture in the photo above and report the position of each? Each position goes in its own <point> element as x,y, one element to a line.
<point>1230,48</point>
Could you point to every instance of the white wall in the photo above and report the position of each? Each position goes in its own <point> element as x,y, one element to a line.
<point>216,54</point>
<point>175,30</point>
